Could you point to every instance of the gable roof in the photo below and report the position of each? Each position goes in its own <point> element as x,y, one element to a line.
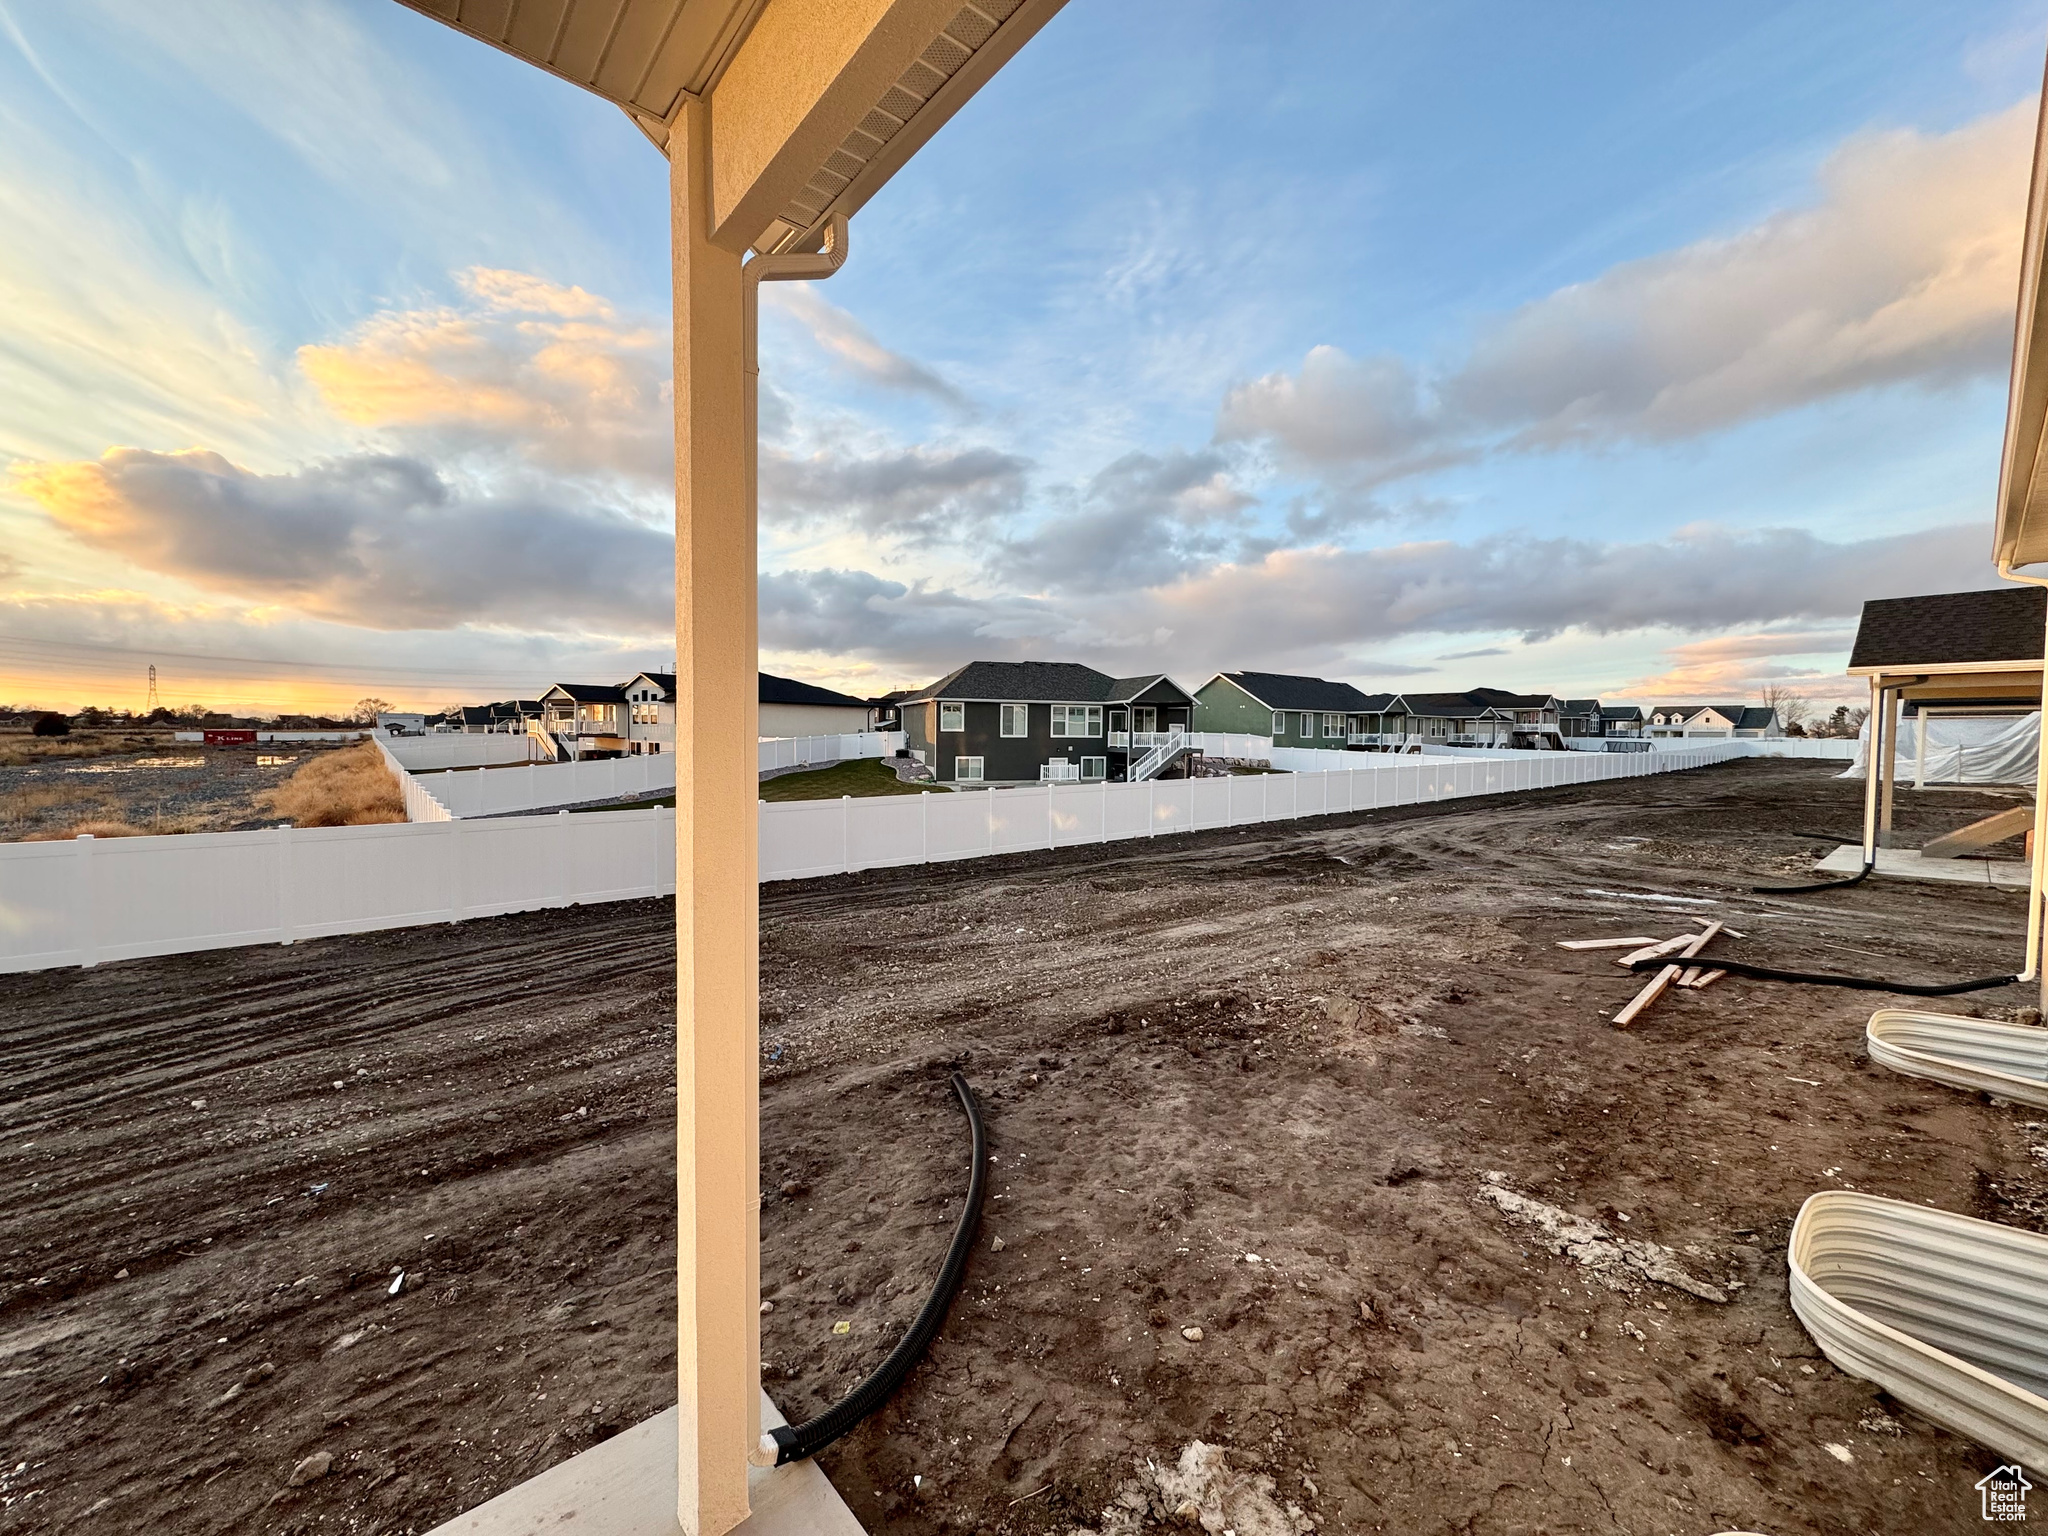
<point>1123,689</point>
<point>1283,690</point>
<point>589,693</point>
<point>1581,706</point>
<point>1621,711</point>
<point>1505,700</point>
<point>787,690</point>
<point>1951,629</point>
<point>665,681</point>
<point>1021,682</point>
<point>1741,717</point>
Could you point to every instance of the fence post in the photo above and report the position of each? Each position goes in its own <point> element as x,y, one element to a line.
<point>1152,808</point>
<point>924,826</point>
<point>280,838</point>
<point>87,909</point>
<point>455,906</point>
<point>845,833</point>
<point>1051,840</point>
<point>1104,787</point>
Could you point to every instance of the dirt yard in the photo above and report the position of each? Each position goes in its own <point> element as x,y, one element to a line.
<point>406,1199</point>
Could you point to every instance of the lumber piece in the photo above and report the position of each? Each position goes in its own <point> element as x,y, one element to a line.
<point>1995,828</point>
<point>1602,943</point>
<point>1666,947</point>
<point>1647,996</point>
<point>1708,980</point>
<point>1694,943</point>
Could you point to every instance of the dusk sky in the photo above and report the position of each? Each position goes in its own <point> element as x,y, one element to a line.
<point>1602,349</point>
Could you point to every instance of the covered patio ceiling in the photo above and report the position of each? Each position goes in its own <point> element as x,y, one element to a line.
<point>923,59</point>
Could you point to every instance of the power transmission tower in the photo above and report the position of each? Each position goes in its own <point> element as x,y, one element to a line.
<point>151,707</point>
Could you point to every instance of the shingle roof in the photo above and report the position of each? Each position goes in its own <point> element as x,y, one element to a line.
<point>1056,682</point>
<point>787,690</point>
<point>1506,700</point>
<point>1123,688</point>
<point>1621,711</point>
<point>1741,717</point>
<point>1453,706</point>
<point>1582,706</point>
<point>592,693</point>
<point>1281,690</point>
<point>1951,627</point>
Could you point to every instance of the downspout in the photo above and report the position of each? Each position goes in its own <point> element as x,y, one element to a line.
<point>2040,862</point>
<point>782,268</point>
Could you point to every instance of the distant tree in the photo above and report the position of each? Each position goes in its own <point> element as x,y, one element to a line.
<point>367,711</point>
<point>1792,707</point>
<point>50,723</point>
<point>1843,722</point>
<point>1795,729</point>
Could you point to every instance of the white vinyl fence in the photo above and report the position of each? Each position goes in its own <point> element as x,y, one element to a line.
<point>543,786</point>
<point>458,749</point>
<point>802,838</point>
<point>800,751</point>
<point>87,900</point>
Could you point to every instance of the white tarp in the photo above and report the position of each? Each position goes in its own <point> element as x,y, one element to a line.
<point>1961,749</point>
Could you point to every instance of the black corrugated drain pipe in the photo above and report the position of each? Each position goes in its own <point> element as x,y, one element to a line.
<point>795,1442</point>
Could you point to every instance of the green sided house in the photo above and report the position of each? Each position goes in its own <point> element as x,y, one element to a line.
<point>1293,711</point>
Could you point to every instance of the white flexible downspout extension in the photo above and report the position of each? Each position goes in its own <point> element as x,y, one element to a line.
<point>2039,873</point>
<point>761,269</point>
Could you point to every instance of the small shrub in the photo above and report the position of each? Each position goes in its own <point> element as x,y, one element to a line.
<point>350,787</point>
<point>50,723</point>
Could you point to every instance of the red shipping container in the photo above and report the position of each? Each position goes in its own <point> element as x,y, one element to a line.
<point>229,738</point>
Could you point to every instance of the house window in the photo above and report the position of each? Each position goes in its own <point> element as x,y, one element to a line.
<point>1333,727</point>
<point>953,717</point>
<point>1094,767</point>
<point>967,770</point>
<point>1077,719</point>
<point>1279,723</point>
<point>1439,728</point>
<point>1016,719</point>
<point>1308,725</point>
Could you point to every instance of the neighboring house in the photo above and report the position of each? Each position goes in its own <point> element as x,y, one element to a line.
<point>1478,717</point>
<point>1621,720</point>
<point>506,717</point>
<point>399,723</point>
<point>651,713</point>
<point>1713,721</point>
<point>1015,722</point>
<point>586,719</point>
<point>887,709</point>
<point>1580,718</point>
<point>791,708</point>
<point>1293,711</point>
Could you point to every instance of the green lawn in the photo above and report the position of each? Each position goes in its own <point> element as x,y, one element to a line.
<point>862,777</point>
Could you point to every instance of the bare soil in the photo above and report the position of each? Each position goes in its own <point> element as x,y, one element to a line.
<point>407,1198</point>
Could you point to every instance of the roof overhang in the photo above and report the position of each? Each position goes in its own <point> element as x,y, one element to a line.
<point>2022,537</point>
<point>824,100</point>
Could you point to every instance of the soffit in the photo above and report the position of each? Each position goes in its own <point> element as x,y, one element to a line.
<point>642,55</point>
<point>648,56</point>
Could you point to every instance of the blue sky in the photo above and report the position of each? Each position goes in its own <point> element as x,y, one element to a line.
<point>1604,349</point>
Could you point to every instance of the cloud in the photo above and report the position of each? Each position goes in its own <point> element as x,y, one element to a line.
<point>1704,578</point>
<point>1739,666</point>
<point>524,370</point>
<point>913,495</point>
<point>1903,270</point>
<point>1489,650</point>
<point>911,625</point>
<point>838,333</point>
<point>380,541</point>
<point>1142,520</point>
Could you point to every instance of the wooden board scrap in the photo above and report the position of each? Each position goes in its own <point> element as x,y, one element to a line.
<point>1694,943</point>
<point>1603,943</point>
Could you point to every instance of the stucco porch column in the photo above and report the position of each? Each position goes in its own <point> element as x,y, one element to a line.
<point>718,1257</point>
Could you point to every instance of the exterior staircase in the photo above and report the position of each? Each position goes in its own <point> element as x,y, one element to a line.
<point>1160,757</point>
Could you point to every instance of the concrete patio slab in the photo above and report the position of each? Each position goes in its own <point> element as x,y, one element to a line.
<point>627,1487</point>
<point>1907,864</point>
